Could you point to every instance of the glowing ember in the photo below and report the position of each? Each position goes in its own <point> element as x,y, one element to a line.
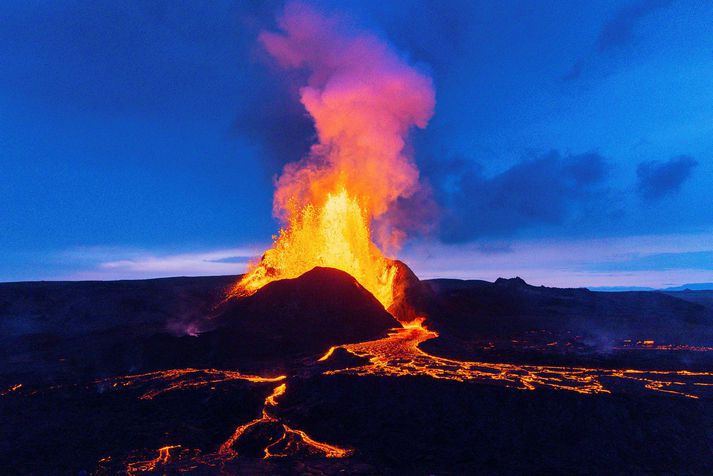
<point>339,201</point>
<point>11,389</point>
<point>290,442</point>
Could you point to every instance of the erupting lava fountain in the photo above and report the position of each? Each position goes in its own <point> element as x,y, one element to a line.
<point>337,205</point>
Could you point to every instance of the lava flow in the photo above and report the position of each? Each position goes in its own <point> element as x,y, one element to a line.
<point>289,443</point>
<point>163,381</point>
<point>399,355</point>
<point>279,440</point>
<point>163,458</point>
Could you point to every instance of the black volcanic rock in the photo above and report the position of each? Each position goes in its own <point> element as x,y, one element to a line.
<point>511,306</point>
<point>416,425</point>
<point>310,313</point>
<point>271,330</point>
<point>54,331</point>
<point>396,425</point>
<point>412,298</point>
<point>512,283</point>
<point>703,297</point>
<point>510,320</point>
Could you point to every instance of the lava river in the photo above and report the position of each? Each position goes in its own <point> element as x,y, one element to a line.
<point>399,355</point>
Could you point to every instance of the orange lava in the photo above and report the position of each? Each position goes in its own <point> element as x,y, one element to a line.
<point>650,345</point>
<point>164,381</point>
<point>289,440</point>
<point>11,389</point>
<point>399,355</point>
<point>164,456</point>
<point>335,234</point>
<point>341,200</point>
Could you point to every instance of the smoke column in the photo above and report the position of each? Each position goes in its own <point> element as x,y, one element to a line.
<point>364,99</point>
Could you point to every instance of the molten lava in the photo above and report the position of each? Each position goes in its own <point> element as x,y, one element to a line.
<point>335,235</point>
<point>339,201</point>
<point>290,441</point>
<point>399,355</point>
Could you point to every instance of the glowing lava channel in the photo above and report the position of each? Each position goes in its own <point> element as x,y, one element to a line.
<point>399,355</point>
<point>176,457</point>
<point>290,438</point>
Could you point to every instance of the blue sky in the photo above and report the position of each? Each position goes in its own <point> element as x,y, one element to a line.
<point>572,142</point>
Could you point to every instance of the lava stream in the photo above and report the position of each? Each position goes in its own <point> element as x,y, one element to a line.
<point>163,458</point>
<point>399,355</point>
<point>291,440</point>
<point>163,381</point>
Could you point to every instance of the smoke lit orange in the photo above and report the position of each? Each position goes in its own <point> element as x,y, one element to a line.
<point>337,203</point>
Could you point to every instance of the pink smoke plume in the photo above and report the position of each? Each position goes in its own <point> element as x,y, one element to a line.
<point>364,98</point>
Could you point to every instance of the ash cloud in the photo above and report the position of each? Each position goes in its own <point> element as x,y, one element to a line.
<point>545,190</point>
<point>657,179</point>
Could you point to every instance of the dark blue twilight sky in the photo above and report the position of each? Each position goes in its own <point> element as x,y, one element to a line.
<point>572,142</point>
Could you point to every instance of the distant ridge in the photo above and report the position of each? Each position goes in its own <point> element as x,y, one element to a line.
<point>692,287</point>
<point>683,287</point>
<point>619,289</point>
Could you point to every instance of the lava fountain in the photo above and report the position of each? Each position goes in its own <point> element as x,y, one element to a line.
<point>336,205</point>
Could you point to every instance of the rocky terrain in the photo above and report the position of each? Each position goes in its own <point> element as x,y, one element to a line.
<point>162,376</point>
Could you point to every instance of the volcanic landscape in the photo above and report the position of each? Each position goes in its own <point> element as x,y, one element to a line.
<point>313,376</point>
<point>330,356</point>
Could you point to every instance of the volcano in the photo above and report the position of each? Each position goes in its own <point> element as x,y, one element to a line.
<point>329,356</point>
<point>280,322</point>
<point>308,314</point>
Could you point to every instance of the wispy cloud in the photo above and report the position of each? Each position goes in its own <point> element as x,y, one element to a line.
<point>616,33</point>
<point>671,260</point>
<point>121,263</point>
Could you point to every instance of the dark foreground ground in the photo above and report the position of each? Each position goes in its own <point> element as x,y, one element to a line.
<point>86,381</point>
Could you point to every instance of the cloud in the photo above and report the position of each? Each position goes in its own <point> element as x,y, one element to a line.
<point>545,190</point>
<point>657,179</point>
<point>616,33</point>
<point>232,259</point>
<point>656,261</point>
<point>700,260</point>
<point>619,30</point>
<point>117,263</point>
